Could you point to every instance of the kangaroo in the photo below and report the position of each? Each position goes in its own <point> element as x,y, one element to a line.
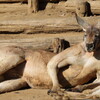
<point>85,56</point>
<point>22,67</point>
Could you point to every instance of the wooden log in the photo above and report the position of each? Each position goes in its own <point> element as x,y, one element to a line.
<point>42,42</point>
<point>29,43</point>
<point>92,3</point>
<point>95,6</point>
<point>34,44</point>
<point>83,8</point>
<point>54,25</point>
<point>70,5</point>
<point>80,7</point>
<point>12,1</point>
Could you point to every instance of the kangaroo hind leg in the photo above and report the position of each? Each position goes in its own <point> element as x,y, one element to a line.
<point>11,85</point>
<point>9,61</point>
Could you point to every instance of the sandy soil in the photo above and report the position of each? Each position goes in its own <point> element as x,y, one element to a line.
<point>28,94</point>
<point>16,12</point>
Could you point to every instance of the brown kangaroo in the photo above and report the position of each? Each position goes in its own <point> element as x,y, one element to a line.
<point>21,67</point>
<point>85,56</point>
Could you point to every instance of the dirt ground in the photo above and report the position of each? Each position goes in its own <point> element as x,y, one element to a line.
<point>28,94</point>
<point>19,12</point>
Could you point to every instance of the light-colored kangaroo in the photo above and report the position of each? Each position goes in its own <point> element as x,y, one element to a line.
<point>85,55</point>
<point>22,67</point>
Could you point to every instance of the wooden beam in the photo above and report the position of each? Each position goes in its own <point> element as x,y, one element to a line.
<point>34,26</point>
<point>12,1</point>
<point>95,6</point>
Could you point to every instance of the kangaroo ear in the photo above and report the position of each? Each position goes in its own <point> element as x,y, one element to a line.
<point>82,23</point>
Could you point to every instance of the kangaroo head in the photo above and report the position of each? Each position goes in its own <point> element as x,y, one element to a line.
<point>91,36</point>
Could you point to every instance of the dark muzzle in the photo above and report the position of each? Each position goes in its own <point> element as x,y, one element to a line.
<point>90,47</point>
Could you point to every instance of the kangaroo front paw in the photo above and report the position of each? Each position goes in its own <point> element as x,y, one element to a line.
<point>50,91</point>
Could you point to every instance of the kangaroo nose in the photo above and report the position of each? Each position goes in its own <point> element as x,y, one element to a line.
<point>90,47</point>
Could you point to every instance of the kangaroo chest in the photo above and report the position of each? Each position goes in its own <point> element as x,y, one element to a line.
<point>89,60</point>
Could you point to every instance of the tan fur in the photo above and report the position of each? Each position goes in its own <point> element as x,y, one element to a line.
<point>31,67</point>
<point>33,71</point>
<point>36,68</point>
<point>57,45</point>
<point>19,65</point>
<point>82,55</point>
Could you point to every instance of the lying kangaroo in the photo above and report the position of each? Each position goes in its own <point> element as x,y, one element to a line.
<point>22,67</point>
<point>85,56</point>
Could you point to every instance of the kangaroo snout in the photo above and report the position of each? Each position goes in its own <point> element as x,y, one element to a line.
<point>90,47</point>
